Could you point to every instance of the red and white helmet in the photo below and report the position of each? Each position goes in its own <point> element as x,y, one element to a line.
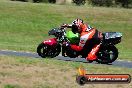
<point>76,24</point>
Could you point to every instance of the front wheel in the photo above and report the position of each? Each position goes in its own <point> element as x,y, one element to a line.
<point>42,50</point>
<point>107,54</point>
<point>48,51</point>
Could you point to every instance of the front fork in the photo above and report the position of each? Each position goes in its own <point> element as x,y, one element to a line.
<point>64,51</point>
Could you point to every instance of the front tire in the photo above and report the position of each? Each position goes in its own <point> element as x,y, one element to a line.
<point>55,51</point>
<point>48,51</point>
<point>107,54</point>
<point>42,50</point>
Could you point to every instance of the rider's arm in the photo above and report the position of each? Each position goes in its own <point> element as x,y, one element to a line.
<point>69,26</point>
<point>66,26</point>
<point>76,47</point>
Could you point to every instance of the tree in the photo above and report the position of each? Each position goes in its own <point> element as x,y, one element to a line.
<point>52,1</point>
<point>101,2</point>
<point>79,2</point>
<point>124,3</point>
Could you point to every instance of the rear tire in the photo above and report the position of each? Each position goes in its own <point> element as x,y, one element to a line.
<point>104,55</point>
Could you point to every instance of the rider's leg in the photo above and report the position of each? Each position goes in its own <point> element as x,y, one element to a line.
<point>92,54</point>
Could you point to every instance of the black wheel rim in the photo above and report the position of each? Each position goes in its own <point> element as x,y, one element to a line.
<point>53,51</point>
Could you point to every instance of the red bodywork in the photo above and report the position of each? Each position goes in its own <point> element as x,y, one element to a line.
<point>50,42</point>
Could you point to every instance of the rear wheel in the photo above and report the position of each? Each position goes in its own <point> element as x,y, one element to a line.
<point>107,54</point>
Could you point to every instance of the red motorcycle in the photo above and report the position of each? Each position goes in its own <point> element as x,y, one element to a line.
<point>107,53</point>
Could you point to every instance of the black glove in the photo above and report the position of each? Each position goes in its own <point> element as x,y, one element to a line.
<point>64,25</point>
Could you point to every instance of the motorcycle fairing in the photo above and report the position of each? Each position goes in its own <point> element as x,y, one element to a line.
<point>51,42</point>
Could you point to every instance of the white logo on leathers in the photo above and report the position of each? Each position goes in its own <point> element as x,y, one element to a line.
<point>84,38</point>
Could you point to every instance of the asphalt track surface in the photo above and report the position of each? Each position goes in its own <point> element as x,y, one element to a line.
<point>119,63</point>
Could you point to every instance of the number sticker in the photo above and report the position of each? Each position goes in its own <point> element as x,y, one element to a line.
<point>88,28</point>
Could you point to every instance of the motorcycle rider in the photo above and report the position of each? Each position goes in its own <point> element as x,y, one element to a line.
<point>89,36</point>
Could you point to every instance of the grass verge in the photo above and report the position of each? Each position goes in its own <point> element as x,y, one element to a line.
<point>22,72</point>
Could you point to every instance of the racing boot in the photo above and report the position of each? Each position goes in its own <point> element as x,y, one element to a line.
<point>92,55</point>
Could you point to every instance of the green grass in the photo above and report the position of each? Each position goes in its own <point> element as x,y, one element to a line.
<point>23,72</point>
<point>24,25</point>
<point>11,86</point>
